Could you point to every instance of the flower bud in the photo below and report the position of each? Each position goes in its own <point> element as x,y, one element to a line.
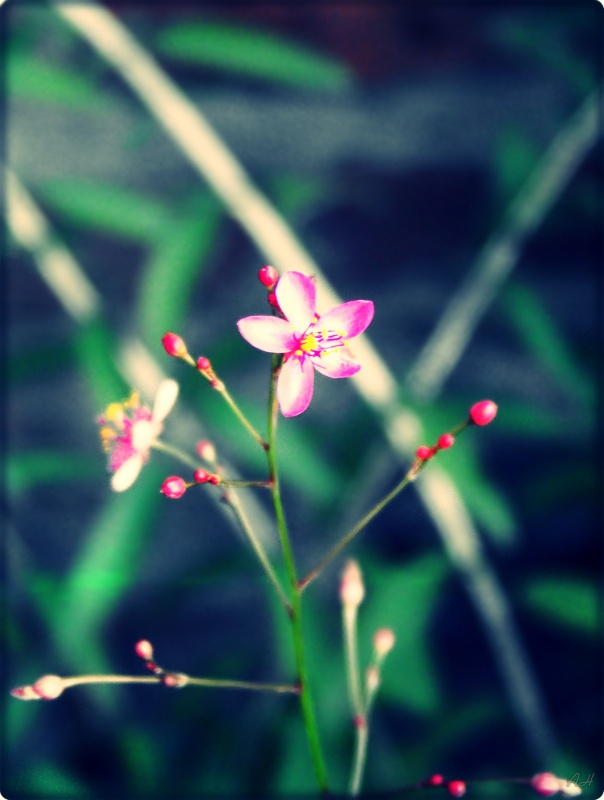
<point>545,783</point>
<point>206,450</point>
<point>215,480</point>
<point>175,680</point>
<point>424,452</point>
<point>372,680</point>
<point>456,788</point>
<point>49,687</point>
<point>569,788</point>
<point>25,693</point>
<point>352,590</point>
<point>272,299</point>
<point>268,276</point>
<point>203,363</point>
<point>383,641</point>
<point>201,476</point>
<point>435,780</point>
<point>174,345</point>
<point>144,649</point>
<point>173,487</point>
<point>484,412</point>
<point>445,441</point>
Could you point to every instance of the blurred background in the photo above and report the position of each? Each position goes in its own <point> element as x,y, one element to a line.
<point>394,139</point>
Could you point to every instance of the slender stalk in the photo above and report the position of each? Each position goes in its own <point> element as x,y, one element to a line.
<point>220,387</point>
<point>233,502</point>
<point>217,683</point>
<point>310,722</point>
<point>349,623</point>
<point>360,754</point>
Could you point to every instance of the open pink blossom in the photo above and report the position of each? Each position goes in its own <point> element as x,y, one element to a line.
<point>129,430</point>
<point>308,341</point>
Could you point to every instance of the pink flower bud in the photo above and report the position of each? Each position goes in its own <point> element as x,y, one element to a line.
<point>174,345</point>
<point>545,783</point>
<point>484,412</point>
<point>456,788</point>
<point>272,299</point>
<point>25,693</point>
<point>352,590</point>
<point>49,687</point>
<point>215,480</point>
<point>203,363</point>
<point>268,276</point>
<point>445,441</point>
<point>201,476</point>
<point>206,450</point>
<point>144,649</point>
<point>423,452</point>
<point>175,680</point>
<point>435,780</point>
<point>383,641</point>
<point>372,679</point>
<point>173,487</point>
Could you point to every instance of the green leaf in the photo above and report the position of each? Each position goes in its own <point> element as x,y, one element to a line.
<point>251,53</point>
<point>25,471</point>
<point>47,83</point>
<point>540,335</point>
<point>569,601</point>
<point>404,598</point>
<point>176,262</point>
<point>96,348</point>
<point>105,207</point>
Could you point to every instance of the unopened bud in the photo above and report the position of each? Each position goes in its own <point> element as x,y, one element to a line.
<point>484,412</point>
<point>569,788</point>
<point>383,641</point>
<point>144,649</point>
<point>268,276</point>
<point>435,780</point>
<point>424,452</point>
<point>203,363</point>
<point>25,693</point>
<point>174,345</point>
<point>456,788</point>
<point>173,487</point>
<point>175,680</point>
<point>49,687</point>
<point>206,450</point>
<point>545,783</point>
<point>201,476</point>
<point>445,441</point>
<point>352,589</point>
<point>372,680</point>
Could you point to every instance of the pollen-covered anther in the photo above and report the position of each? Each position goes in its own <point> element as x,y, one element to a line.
<point>175,680</point>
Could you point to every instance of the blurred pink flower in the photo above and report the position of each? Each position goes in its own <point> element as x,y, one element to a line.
<point>308,341</point>
<point>129,430</point>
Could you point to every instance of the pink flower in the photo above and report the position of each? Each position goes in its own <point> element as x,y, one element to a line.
<point>129,430</point>
<point>308,341</point>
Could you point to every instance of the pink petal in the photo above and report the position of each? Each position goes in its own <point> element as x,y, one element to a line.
<point>350,318</point>
<point>271,334</point>
<point>127,473</point>
<point>336,363</point>
<point>295,386</point>
<point>296,295</point>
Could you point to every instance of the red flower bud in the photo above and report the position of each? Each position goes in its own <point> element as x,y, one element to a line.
<point>173,487</point>
<point>201,476</point>
<point>423,452</point>
<point>268,276</point>
<point>484,412</point>
<point>456,788</point>
<point>215,480</point>
<point>446,440</point>
<point>174,345</point>
<point>203,363</point>
<point>435,780</point>
<point>144,649</point>
<point>272,299</point>
<point>545,783</point>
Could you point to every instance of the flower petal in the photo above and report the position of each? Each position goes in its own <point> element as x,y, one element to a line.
<point>336,363</point>
<point>271,334</point>
<point>165,398</point>
<point>127,473</point>
<point>350,318</point>
<point>297,298</point>
<point>295,386</point>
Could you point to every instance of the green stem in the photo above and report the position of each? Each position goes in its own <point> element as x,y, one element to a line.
<point>220,387</point>
<point>176,452</point>
<point>360,755</point>
<point>306,703</point>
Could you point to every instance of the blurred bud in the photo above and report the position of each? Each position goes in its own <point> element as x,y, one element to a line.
<point>484,412</point>
<point>372,680</point>
<point>175,680</point>
<point>383,641</point>
<point>203,363</point>
<point>144,649</point>
<point>206,450</point>
<point>545,783</point>
<point>49,687</point>
<point>424,452</point>
<point>352,590</point>
<point>445,441</point>
<point>173,487</point>
<point>456,788</point>
<point>435,780</point>
<point>174,345</point>
<point>25,693</point>
<point>201,476</point>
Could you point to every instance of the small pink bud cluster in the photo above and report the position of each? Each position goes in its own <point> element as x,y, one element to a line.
<point>204,366</point>
<point>48,687</point>
<point>203,476</point>
<point>175,680</point>
<point>423,453</point>
<point>546,784</point>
